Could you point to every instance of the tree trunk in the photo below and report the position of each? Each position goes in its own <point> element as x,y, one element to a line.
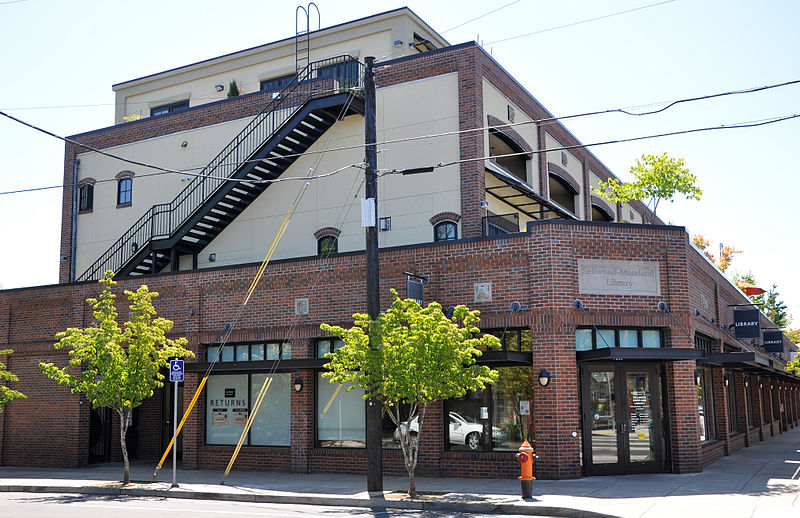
<point>123,430</point>
<point>412,485</point>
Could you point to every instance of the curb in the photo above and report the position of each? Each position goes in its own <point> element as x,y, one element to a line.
<point>327,500</point>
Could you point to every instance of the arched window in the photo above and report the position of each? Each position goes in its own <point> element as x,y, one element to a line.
<point>124,190</point>
<point>86,197</point>
<point>445,231</point>
<point>327,245</point>
<point>600,214</point>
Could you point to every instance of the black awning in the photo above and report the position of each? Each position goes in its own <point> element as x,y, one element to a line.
<point>259,366</point>
<point>740,360</point>
<point>506,358</point>
<point>640,354</point>
<point>522,197</point>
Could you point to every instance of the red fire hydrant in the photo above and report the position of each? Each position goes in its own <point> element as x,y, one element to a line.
<point>525,458</point>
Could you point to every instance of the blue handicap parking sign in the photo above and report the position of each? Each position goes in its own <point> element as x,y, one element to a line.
<point>176,370</point>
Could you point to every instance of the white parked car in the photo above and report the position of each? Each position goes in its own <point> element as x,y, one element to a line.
<point>462,432</point>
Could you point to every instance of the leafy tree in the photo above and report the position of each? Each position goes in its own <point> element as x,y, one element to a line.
<point>7,394</point>
<point>775,308</point>
<point>794,335</point>
<point>118,367</point>
<point>233,89</point>
<point>726,252</point>
<point>657,178</point>
<point>418,355</point>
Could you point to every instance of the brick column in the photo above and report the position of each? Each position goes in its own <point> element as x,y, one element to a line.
<point>720,405</point>
<point>302,421</point>
<point>193,428</point>
<point>682,401</point>
<point>470,116</point>
<point>556,412</point>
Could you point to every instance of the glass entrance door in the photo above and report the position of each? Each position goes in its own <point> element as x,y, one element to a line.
<point>621,406</point>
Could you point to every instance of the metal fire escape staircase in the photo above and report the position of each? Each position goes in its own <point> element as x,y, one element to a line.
<point>296,117</point>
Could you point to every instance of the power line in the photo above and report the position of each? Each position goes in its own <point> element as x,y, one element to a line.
<point>481,16</point>
<point>739,125</point>
<point>547,120</point>
<point>579,22</point>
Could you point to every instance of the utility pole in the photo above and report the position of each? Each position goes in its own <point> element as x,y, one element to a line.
<point>373,425</point>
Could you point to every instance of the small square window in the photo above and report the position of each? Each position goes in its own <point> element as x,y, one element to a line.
<point>257,352</point>
<point>628,338</point>
<point>242,353</point>
<point>651,339</point>
<point>605,338</point>
<point>583,340</point>
<point>273,351</point>
<point>327,245</point>
<point>445,231</point>
<point>227,353</point>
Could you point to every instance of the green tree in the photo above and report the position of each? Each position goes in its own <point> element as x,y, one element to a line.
<point>775,308</point>
<point>418,355</point>
<point>7,394</point>
<point>233,89</point>
<point>657,178</point>
<point>118,367</point>
<point>794,335</point>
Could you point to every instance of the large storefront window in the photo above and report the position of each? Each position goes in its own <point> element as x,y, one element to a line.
<point>229,405</point>
<point>341,415</point>
<point>591,338</point>
<point>498,418</point>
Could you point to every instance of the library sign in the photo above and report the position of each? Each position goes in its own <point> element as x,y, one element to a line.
<point>600,277</point>
<point>746,323</point>
<point>773,341</point>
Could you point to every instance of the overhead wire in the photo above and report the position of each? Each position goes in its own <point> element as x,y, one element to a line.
<point>750,124</point>
<point>481,16</point>
<point>545,120</point>
<point>580,22</point>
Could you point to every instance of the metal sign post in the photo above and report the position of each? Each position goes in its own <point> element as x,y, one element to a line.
<point>175,376</point>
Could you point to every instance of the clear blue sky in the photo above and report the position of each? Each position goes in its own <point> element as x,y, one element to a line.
<point>61,58</point>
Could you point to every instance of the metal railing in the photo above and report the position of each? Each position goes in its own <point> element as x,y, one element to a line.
<point>320,78</point>
<point>500,224</point>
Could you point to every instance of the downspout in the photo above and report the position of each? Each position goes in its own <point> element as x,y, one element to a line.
<point>73,238</point>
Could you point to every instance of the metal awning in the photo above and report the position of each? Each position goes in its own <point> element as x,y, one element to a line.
<point>747,361</point>
<point>521,196</point>
<point>506,358</point>
<point>640,354</point>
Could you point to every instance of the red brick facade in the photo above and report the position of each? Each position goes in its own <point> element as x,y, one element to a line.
<point>537,268</point>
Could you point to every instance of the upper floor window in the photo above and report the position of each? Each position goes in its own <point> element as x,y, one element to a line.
<point>169,108</point>
<point>124,190</point>
<point>276,83</point>
<point>86,197</point>
<point>327,245</point>
<point>445,231</point>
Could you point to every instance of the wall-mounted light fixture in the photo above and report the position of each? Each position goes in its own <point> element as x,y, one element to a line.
<point>212,258</point>
<point>746,382</point>
<point>761,384</point>
<point>725,377</point>
<point>134,246</point>
<point>544,378</point>
<point>184,143</point>
<point>219,88</point>
<point>696,377</point>
<point>298,384</point>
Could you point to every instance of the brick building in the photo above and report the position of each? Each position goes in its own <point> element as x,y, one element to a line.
<point>628,323</point>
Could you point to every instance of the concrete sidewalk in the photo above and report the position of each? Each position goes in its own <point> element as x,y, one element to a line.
<point>759,481</point>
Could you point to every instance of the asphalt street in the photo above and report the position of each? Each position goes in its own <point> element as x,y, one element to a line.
<point>30,505</point>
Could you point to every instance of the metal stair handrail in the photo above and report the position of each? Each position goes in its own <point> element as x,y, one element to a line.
<point>165,218</point>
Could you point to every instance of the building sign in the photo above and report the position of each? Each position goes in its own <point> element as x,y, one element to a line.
<point>773,341</point>
<point>415,291</point>
<point>618,277</point>
<point>746,323</point>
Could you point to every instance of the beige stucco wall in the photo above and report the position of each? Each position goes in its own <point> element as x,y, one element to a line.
<point>335,201</point>
<point>98,229</point>
<point>574,167</point>
<point>496,104</point>
<point>372,37</point>
<point>627,210</point>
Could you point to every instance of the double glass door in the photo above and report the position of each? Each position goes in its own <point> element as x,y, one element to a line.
<point>622,419</point>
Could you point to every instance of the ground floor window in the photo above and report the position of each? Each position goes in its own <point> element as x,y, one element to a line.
<point>498,418</point>
<point>341,415</point>
<point>229,403</point>
<point>705,405</point>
